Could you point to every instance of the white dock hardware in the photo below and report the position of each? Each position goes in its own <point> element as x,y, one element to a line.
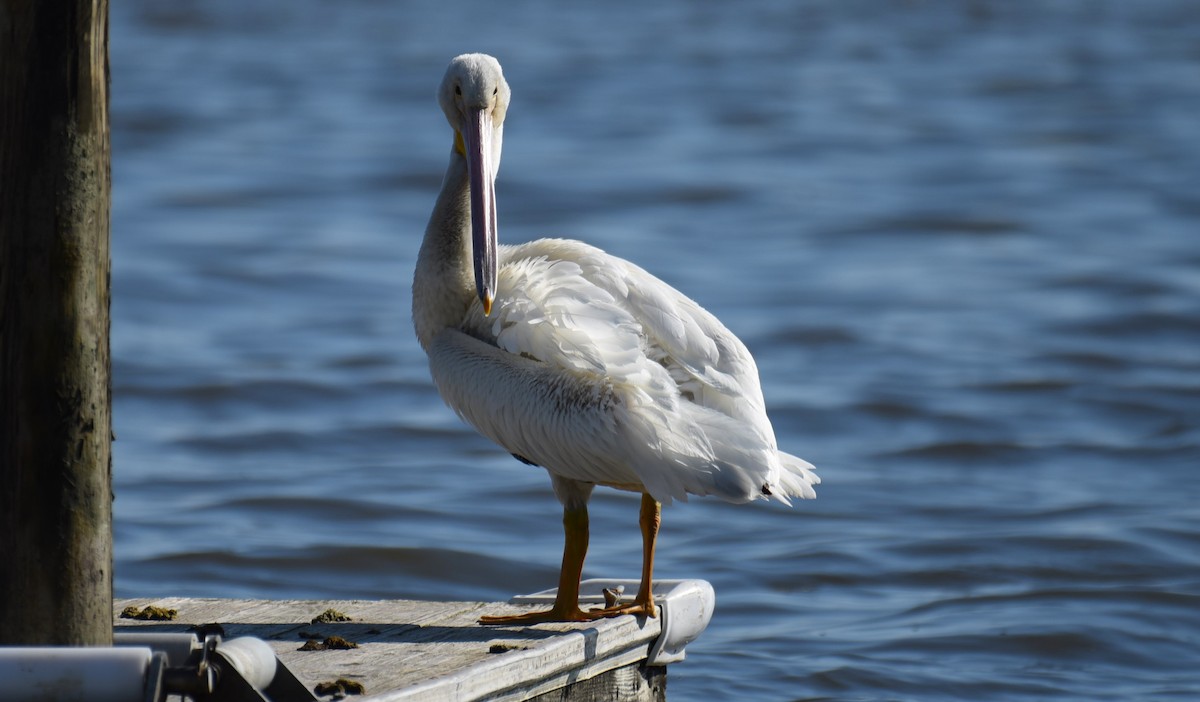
<point>149,667</point>
<point>74,674</point>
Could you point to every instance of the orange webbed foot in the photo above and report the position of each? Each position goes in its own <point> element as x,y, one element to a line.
<point>637,608</point>
<point>566,614</point>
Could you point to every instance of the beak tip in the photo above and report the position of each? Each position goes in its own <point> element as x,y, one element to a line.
<point>487,305</point>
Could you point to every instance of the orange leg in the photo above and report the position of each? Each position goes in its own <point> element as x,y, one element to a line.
<point>649,518</point>
<point>566,602</point>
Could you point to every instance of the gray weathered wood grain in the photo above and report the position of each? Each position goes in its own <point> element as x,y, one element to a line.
<point>415,650</point>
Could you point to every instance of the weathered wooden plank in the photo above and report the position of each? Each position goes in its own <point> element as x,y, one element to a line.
<point>414,650</point>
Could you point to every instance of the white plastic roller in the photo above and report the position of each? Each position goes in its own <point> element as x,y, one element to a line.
<point>74,674</point>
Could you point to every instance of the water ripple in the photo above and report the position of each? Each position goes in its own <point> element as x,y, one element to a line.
<point>958,238</point>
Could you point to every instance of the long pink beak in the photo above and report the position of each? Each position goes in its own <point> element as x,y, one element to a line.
<point>477,138</point>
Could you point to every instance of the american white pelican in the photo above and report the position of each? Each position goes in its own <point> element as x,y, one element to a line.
<point>581,362</point>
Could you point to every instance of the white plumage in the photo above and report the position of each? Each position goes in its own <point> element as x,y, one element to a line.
<point>578,361</point>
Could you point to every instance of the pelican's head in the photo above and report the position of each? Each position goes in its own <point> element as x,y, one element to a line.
<point>474,96</point>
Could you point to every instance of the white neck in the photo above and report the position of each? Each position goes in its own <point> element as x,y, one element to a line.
<point>443,285</point>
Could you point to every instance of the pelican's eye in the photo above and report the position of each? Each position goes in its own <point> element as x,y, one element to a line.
<point>457,90</point>
<point>495,91</point>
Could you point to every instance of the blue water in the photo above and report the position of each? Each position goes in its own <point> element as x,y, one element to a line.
<point>961,239</point>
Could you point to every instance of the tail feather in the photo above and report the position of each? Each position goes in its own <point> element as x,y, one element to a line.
<point>797,477</point>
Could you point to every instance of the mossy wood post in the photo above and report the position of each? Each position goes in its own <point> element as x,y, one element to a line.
<point>55,393</point>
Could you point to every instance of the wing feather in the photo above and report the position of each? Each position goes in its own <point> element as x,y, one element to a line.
<point>662,396</point>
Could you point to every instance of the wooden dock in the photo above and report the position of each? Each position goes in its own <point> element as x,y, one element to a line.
<point>415,650</point>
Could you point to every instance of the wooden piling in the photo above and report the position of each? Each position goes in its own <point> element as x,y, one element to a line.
<point>55,406</point>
